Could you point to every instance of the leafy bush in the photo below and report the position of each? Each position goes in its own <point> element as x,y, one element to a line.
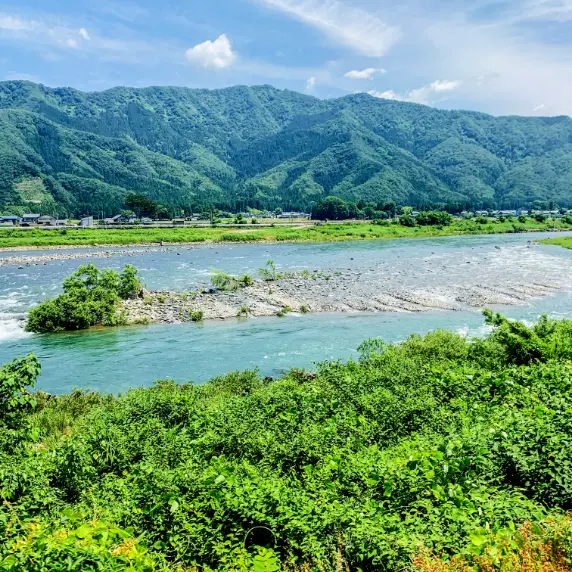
<point>284,311</point>
<point>434,218</point>
<point>440,453</point>
<point>407,220</point>
<point>91,297</point>
<point>224,281</point>
<point>269,272</point>
<point>16,379</point>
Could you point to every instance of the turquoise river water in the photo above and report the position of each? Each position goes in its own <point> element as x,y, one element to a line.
<point>115,359</point>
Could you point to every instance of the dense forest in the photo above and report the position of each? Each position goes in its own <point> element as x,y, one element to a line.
<point>77,153</point>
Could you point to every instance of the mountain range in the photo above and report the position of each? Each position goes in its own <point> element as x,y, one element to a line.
<point>79,153</point>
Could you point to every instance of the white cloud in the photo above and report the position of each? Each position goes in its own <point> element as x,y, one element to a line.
<point>363,31</point>
<point>84,34</point>
<point>216,54</point>
<point>23,77</point>
<point>70,43</point>
<point>444,85</point>
<point>389,94</point>
<point>364,74</point>
<point>15,24</point>
<point>519,70</point>
<point>539,107</point>
<point>425,95</point>
<point>311,84</point>
<point>552,10</point>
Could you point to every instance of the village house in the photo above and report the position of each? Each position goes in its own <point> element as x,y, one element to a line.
<point>46,220</point>
<point>9,220</point>
<point>120,219</point>
<point>29,219</point>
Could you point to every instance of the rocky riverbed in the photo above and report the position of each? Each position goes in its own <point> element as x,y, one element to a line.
<point>45,259</point>
<point>368,290</point>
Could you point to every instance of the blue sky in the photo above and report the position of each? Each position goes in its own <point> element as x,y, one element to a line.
<point>507,57</point>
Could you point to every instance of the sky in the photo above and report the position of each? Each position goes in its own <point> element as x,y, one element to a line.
<point>501,57</point>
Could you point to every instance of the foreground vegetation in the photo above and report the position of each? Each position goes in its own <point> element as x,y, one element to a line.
<point>438,454</point>
<point>323,233</point>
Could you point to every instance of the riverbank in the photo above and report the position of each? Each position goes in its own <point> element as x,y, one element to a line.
<point>565,242</point>
<point>19,239</point>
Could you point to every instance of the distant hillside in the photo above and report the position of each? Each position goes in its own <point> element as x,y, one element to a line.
<point>266,148</point>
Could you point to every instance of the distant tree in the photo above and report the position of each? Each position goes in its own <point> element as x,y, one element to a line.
<point>332,208</point>
<point>407,220</point>
<point>389,207</point>
<point>352,210</point>
<point>142,205</point>
<point>162,212</point>
<point>370,212</point>
<point>434,218</point>
<point>539,205</point>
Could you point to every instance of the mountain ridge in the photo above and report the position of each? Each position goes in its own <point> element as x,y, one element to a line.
<point>264,147</point>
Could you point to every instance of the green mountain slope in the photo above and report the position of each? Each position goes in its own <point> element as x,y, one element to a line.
<point>262,147</point>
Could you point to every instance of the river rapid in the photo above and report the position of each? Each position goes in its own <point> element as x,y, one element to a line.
<point>507,272</point>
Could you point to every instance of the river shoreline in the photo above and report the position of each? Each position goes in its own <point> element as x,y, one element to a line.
<point>269,240</point>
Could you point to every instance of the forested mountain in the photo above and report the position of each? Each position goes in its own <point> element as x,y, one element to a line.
<point>262,147</point>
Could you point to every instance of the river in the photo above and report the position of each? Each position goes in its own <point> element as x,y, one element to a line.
<point>115,359</point>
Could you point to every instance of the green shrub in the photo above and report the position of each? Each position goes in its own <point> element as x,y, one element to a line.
<point>407,220</point>
<point>196,316</point>
<point>91,297</point>
<point>285,310</point>
<point>434,218</point>
<point>246,280</point>
<point>16,379</point>
<point>269,272</point>
<point>224,281</point>
<point>243,312</point>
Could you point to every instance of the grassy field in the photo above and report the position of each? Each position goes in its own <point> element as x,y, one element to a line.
<point>14,238</point>
<point>565,241</point>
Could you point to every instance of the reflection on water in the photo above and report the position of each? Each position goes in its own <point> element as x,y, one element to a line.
<point>116,359</point>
